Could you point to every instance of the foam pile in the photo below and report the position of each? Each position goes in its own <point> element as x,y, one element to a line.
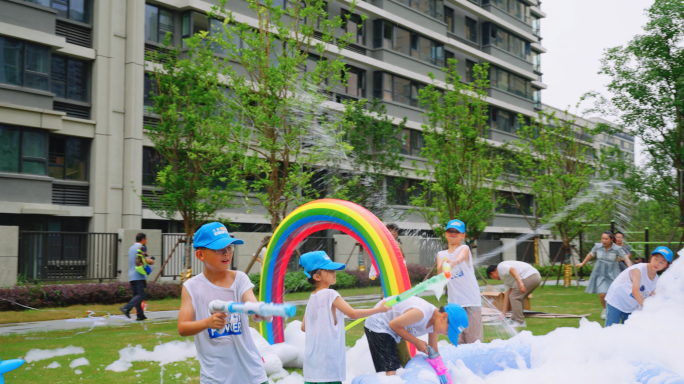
<point>646,349</point>
<point>44,354</point>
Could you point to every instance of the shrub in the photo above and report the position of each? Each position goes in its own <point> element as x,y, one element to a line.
<point>362,279</point>
<point>417,272</point>
<point>45,296</point>
<point>345,280</point>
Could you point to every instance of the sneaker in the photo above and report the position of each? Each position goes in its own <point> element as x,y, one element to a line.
<point>142,318</point>
<point>603,314</point>
<point>515,324</point>
<point>126,312</point>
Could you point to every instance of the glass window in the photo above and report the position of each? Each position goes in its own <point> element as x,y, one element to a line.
<point>354,24</point>
<point>402,90</point>
<point>356,82</point>
<point>68,158</point>
<point>12,61</point>
<point>506,41</point>
<point>511,83</point>
<point>57,157</point>
<point>387,87</point>
<point>33,151</point>
<point>37,63</point>
<point>151,163</point>
<point>471,29</point>
<point>402,40</point>
<point>78,10</point>
<point>149,91</point>
<point>397,89</point>
<point>9,149</point>
<point>69,78</point>
<point>417,143</point>
<point>449,19</point>
<point>508,204</point>
<point>158,22</point>
<point>469,71</point>
<point>405,141</point>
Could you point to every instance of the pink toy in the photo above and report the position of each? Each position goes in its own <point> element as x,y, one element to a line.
<point>435,361</point>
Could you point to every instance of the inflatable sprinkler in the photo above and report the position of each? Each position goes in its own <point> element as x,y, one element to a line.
<point>646,349</point>
<point>9,365</point>
<point>319,215</point>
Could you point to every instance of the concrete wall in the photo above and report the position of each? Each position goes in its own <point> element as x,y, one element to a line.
<point>22,188</point>
<point>510,250</point>
<point>154,249</point>
<point>245,251</point>
<point>9,256</point>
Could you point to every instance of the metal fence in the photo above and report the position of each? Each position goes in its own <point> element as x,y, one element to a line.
<point>176,264</point>
<point>68,255</point>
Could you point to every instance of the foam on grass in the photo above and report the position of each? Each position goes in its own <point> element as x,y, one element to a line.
<point>79,362</point>
<point>166,353</point>
<point>53,365</point>
<point>44,354</point>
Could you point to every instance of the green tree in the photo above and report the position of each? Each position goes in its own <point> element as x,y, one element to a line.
<point>555,161</point>
<point>461,169</point>
<point>647,97</point>
<point>285,63</point>
<point>191,136</point>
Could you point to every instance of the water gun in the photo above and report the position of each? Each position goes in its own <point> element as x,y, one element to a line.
<point>446,267</point>
<point>435,361</point>
<point>251,308</point>
<point>9,365</point>
<point>439,279</point>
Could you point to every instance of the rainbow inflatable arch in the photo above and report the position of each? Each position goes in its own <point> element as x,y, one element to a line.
<point>318,215</point>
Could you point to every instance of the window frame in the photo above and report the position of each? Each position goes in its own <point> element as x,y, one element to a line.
<point>173,25</point>
<point>380,40</point>
<point>526,13</point>
<point>86,156</point>
<point>380,88</point>
<point>495,73</point>
<point>472,30</point>
<point>21,156</point>
<point>360,30</point>
<point>86,76</point>
<point>506,41</point>
<point>24,71</point>
<point>88,5</point>
<point>512,209</point>
<point>361,85</point>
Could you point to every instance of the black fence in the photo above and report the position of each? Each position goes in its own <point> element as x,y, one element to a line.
<point>485,252</point>
<point>176,263</point>
<point>68,255</point>
<point>525,251</point>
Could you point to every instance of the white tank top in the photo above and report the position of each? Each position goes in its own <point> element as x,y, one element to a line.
<point>325,350</point>
<point>379,323</point>
<point>462,288</point>
<point>620,292</point>
<point>228,355</point>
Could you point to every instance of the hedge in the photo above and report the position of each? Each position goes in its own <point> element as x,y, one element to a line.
<point>46,296</point>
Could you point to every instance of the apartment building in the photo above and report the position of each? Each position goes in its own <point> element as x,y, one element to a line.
<point>73,153</point>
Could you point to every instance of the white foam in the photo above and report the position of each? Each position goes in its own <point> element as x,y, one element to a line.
<point>79,362</point>
<point>53,365</point>
<point>78,371</point>
<point>166,353</point>
<point>43,354</point>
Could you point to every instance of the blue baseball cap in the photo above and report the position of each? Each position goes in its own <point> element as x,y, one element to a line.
<point>457,225</point>
<point>458,321</point>
<point>213,236</point>
<point>318,260</point>
<point>665,252</point>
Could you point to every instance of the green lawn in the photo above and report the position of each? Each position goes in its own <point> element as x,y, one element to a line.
<point>102,344</point>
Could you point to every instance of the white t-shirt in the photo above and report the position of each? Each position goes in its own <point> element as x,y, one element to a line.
<point>462,288</point>
<point>226,356</point>
<point>379,323</point>
<point>325,350</point>
<point>620,292</point>
<point>524,270</point>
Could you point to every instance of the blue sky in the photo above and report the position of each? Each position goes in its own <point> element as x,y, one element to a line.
<point>576,32</point>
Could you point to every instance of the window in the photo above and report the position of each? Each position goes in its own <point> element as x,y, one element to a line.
<point>69,78</point>
<point>412,142</point>
<point>506,121</point>
<point>149,90</point>
<point>78,10</point>
<point>536,97</point>
<point>400,191</point>
<point>508,203</point>
<point>408,43</point>
<point>68,158</point>
<point>470,73</point>
<point>158,21</point>
<point>536,26</point>
<point>151,162</point>
<point>356,83</point>
<point>24,64</point>
<point>471,29</point>
<point>448,55</point>
<point>354,25</point>
<point>398,89</point>
<point>23,150</point>
<point>536,61</point>
<point>508,82</point>
<point>449,19</point>
<point>502,39</point>
<point>515,8</point>
<point>432,8</point>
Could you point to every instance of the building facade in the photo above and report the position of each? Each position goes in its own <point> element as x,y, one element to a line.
<point>73,152</point>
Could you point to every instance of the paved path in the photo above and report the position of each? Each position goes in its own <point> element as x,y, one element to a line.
<point>118,320</point>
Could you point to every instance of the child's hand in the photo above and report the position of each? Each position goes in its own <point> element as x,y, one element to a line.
<point>217,320</point>
<point>259,319</point>
<point>382,307</point>
<point>422,346</point>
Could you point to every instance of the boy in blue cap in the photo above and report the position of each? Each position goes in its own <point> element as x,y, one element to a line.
<point>634,285</point>
<point>325,349</point>
<point>462,288</point>
<point>410,319</point>
<point>225,349</point>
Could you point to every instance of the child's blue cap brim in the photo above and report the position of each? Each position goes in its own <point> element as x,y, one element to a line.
<point>222,243</point>
<point>458,321</point>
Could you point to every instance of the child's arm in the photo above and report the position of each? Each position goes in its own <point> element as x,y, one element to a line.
<point>303,318</point>
<point>440,261</point>
<point>636,285</point>
<point>399,324</point>
<point>345,308</point>
<point>433,338</point>
<point>188,327</point>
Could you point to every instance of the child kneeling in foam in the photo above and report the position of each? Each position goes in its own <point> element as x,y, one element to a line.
<point>225,349</point>
<point>634,285</point>
<point>325,349</point>
<point>409,319</point>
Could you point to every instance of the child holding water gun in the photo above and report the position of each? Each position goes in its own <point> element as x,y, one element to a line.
<point>634,285</point>
<point>410,319</point>
<point>462,288</point>
<point>323,323</point>
<point>225,349</point>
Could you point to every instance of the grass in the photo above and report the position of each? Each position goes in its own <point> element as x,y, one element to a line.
<point>102,344</point>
